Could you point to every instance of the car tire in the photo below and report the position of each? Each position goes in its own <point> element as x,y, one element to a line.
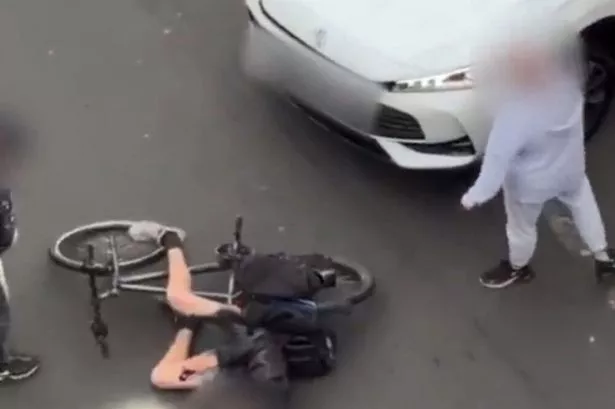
<point>600,89</point>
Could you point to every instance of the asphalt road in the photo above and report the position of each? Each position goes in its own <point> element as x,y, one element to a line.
<point>141,112</point>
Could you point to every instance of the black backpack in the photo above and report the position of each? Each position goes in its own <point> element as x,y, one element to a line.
<point>310,355</point>
<point>278,290</point>
<point>281,275</point>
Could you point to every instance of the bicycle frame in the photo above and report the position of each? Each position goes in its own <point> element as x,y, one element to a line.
<point>229,255</point>
<point>137,283</point>
<point>134,282</point>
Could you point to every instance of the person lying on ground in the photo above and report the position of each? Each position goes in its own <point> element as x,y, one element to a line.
<point>257,353</point>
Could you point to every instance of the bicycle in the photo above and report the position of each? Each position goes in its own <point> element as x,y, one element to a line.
<point>101,256</point>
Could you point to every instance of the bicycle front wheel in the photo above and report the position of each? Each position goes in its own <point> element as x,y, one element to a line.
<point>71,249</point>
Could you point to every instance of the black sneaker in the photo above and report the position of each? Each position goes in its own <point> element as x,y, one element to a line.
<point>504,275</point>
<point>605,268</point>
<point>18,367</point>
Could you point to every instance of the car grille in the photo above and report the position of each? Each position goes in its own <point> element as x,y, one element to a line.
<point>392,123</point>
<point>459,147</point>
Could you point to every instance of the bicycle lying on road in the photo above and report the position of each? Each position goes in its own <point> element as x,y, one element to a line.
<point>104,250</point>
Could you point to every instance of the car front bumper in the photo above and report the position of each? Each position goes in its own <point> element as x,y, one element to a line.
<point>437,130</point>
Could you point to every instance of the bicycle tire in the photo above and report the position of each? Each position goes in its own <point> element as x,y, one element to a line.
<point>364,291</point>
<point>70,263</point>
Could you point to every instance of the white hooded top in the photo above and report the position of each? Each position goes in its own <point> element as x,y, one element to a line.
<point>536,146</point>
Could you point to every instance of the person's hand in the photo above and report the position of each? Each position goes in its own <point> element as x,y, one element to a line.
<point>468,203</point>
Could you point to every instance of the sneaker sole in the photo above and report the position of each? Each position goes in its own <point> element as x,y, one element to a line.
<point>24,375</point>
<point>507,283</point>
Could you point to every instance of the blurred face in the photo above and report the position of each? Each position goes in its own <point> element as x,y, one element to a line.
<point>528,67</point>
<point>524,51</point>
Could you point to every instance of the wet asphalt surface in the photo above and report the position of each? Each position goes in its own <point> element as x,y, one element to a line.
<point>142,112</point>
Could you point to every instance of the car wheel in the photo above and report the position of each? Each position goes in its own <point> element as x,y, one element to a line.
<point>599,89</point>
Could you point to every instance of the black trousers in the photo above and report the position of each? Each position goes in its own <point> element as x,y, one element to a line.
<point>8,231</point>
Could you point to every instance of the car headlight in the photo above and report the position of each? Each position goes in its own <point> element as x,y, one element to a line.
<point>457,80</point>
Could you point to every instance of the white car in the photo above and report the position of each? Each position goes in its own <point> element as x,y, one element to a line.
<point>391,76</point>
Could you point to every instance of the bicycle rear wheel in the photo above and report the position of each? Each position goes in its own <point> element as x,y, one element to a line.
<point>354,284</point>
<point>70,249</point>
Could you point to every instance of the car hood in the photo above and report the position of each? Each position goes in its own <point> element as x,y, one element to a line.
<point>387,40</point>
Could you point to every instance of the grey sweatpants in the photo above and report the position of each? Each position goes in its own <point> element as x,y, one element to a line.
<point>522,218</point>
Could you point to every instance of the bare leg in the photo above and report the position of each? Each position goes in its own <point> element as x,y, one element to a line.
<point>177,371</point>
<point>180,279</point>
<point>179,349</point>
<point>179,289</point>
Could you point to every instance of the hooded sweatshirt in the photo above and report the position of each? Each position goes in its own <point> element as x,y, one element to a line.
<point>536,147</point>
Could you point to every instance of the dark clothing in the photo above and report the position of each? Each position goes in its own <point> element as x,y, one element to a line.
<point>253,378</point>
<point>7,235</point>
<point>233,388</point>
<point>7,220</point>
<point>274,285</point>
<point>282,275</point>
<point>4,325</point>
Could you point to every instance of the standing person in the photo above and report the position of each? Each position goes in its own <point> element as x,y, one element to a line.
<point>535,153</point>
<point>13,367</point>
<point>13,145</point>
